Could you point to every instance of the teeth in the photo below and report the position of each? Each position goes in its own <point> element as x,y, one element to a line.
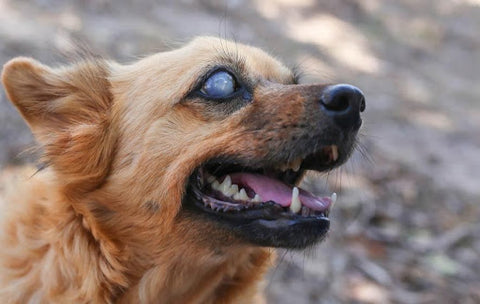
<point>333,198</point>
<point>231,191</point>
<point>215,185</point>
<point>295,165</point>
<point>241,196</point>
<point>296,205</point>
<point>334,152</point>
<point>210,179</point>
<point>257,199</point>
<point>225,185</point>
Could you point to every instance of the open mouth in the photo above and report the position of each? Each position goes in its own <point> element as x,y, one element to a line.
<point>264,204</point>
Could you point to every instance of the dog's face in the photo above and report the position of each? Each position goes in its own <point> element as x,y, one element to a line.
<point>212,138</point>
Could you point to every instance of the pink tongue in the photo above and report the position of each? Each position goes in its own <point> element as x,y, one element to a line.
<point>271,189</point>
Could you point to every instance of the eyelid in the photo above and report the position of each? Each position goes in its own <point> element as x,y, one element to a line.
<point>217,69</point>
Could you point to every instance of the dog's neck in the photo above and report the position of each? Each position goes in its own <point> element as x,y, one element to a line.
<point>75,254</point>
<point>213,279</point>
<point>180,270</point>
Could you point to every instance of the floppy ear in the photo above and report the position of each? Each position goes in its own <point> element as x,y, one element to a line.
<point>68,110</point>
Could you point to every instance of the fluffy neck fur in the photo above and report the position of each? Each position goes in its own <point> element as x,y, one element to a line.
<point>56,255</point>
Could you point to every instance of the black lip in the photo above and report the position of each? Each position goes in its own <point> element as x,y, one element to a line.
<point>284,233</point>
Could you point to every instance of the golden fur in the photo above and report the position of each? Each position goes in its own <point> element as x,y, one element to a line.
<point>101,223</point>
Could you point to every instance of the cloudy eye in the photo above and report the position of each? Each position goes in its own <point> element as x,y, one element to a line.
<point>219,85</point>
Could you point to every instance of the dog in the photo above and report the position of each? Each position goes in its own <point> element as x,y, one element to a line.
<point>168,180</point>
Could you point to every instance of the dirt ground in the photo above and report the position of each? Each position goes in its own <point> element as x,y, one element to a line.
<point>405,228</point>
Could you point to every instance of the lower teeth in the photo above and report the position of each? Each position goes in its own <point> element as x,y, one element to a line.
<point>232,191</point>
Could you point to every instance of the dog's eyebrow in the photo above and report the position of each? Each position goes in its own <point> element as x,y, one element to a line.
<point>233,60</point>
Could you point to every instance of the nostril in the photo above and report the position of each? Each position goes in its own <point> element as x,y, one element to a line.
<point>342,98</point>
<point>362,104</point>
<point>336,102</point>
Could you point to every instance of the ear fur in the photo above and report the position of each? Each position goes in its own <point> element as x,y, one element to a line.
<point>69,111</point>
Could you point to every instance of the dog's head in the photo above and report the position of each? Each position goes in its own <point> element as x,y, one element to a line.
<point>213,137</point>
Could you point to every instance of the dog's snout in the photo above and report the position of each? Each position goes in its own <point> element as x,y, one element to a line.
<point>344,103</point>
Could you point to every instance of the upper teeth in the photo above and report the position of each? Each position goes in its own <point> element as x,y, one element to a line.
<point>334,152</point>
<point>231,190</point>
<point>333,198</point>
<point>294,165</point>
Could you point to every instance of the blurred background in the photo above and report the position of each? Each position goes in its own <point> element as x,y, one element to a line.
<point>405,228</point>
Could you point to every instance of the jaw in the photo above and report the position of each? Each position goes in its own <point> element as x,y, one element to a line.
<point>272,211</point>
<point>267,226</point>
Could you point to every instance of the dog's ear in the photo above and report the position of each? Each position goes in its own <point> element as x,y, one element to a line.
<point>55,99</point>
<point>68,109</point>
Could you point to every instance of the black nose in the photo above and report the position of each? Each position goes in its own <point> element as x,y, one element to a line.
<point>343,102</point>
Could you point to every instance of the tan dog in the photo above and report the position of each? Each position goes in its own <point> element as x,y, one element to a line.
<point>167,180</point>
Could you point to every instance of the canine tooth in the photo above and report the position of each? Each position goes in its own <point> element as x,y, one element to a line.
<point>333,198</point>
<point>231,191</point>
<point>257,199</point>
<point>241,196</point>
<point>296,204</point>
<point>334,152</point>
<point>215,185</point>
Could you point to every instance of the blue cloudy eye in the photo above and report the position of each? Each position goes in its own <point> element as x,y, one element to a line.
<point>219,84</point>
